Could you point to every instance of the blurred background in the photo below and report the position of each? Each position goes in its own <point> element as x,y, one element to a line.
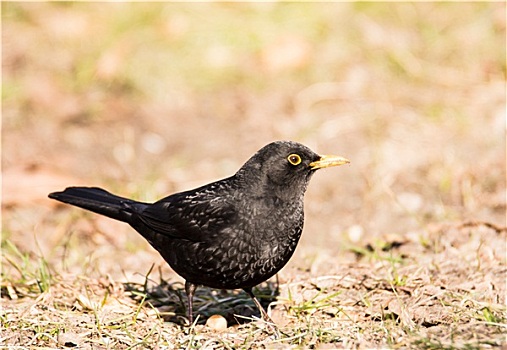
<point>146,99</point>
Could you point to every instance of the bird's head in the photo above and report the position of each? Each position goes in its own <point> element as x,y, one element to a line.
<point>286,165</point>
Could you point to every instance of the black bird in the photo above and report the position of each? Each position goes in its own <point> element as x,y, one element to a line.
<point>230,234</point>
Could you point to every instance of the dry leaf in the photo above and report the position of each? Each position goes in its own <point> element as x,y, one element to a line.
<point>32,184</point>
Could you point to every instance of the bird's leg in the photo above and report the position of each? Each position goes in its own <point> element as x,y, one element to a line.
<point>190,290</point>
<point>264,314</point>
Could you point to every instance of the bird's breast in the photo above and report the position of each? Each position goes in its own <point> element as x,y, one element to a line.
<point>250,249</point>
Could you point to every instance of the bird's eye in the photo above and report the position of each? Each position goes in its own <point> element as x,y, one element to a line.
<point>294,159</point>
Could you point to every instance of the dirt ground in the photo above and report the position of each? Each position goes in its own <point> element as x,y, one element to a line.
<point>404,248</point>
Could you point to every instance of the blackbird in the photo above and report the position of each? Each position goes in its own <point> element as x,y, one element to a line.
<point>230,234</point>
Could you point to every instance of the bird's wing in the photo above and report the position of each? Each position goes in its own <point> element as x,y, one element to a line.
<point>194,216</point>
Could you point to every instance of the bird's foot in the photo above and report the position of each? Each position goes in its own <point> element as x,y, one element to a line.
<point>269,325</point>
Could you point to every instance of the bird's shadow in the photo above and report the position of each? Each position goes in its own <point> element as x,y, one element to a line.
<point>170,300</point>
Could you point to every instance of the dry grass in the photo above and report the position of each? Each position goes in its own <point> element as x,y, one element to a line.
<point>448,294</point>
<point>403,249</point>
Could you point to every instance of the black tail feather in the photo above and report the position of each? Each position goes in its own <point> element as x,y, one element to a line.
<point>97,200</point>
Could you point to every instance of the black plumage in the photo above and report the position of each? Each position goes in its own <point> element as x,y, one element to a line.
<point>229,234</point>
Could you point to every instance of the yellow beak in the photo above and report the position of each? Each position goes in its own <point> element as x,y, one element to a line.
<point>328,161</point>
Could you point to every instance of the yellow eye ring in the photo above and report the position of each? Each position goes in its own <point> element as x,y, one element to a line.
<point>294,159</point>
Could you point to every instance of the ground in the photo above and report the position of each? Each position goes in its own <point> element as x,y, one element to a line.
<point>403,248</point>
